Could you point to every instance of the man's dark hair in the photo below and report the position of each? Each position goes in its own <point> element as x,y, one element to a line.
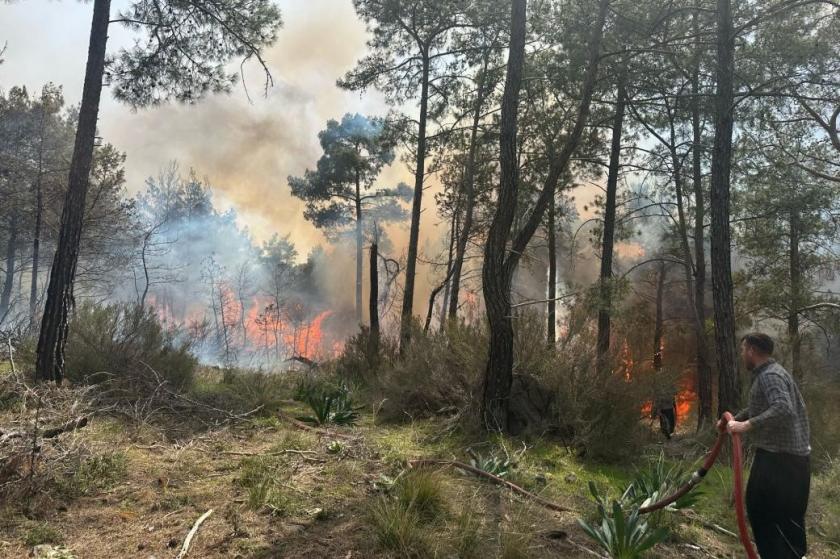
<point>761,342</point>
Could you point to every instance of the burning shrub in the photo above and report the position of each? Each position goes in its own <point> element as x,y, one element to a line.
<point>125,341</point>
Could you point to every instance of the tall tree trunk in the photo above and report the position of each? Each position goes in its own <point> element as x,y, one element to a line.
<point>496,276</point>
<point>608,240</point>
<point>36,233</point>
<point>373,303</point>
<point>454,238</point>
<point>359,249</point>
<point>498,270</point>
<point>551,331</point>
<point>9,279</point>
<point>795,295</point>
<point>50,353</point>
<point>416,208</point>
<point>469,192</point>
<point>704,369</point>
<point>658,328</point>
<point>729,385</point>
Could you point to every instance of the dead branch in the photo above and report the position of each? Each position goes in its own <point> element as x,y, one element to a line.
<point>311,429</point>
<point>186,547</point>
<point>494,478</point>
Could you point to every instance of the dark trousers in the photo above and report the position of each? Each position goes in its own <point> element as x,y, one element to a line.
<point>667,421</point>
<point>777,498</point>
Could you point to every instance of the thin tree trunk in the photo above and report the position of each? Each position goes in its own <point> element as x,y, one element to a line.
<point>36,234</point>
<point>145,264</point>
<point>373,303</point>
<point>496,276</point>
<point>50,353</point>
<point>416,208</point>
<point>359,250</point>
<point>729,386</point>
<point>658,328</point>
<point>795,295</point>
<point>608,240</point>
<point>551,331</point>
<point>704,369</point>
<point>454,238</point>
<point>469,191</point>
<point>9,279</point>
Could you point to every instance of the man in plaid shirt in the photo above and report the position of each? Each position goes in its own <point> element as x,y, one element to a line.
<point>780,478</point>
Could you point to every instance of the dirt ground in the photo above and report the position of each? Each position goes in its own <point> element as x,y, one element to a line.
<point>327,483</point>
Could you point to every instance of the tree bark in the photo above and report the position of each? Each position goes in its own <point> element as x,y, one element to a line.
<point>416,208</point>
<point>608,240</point>
<point>729,386</point>
<point>9,279</point>
<point>795,295</point>
<point>454,238</point>
<point>498,270</point>
<point>359,249</point>
<point>704,369</point>
<point>373,303</point>
<point>658,328</point>
<point>496,276</point>
<point>36,233</point>
<point>469,191</point>
<point>551,330</point>
<point>50,353</point>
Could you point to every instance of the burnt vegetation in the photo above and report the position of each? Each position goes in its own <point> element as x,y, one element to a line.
<point>511,365</point>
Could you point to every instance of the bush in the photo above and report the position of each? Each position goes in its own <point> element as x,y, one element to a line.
<point>124,341</point>
<point>93,474</point>
<point>825,504</point>
<point>596,412</point>
<point>440,373</point>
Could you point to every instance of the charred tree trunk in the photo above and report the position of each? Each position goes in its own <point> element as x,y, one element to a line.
<point>729,386</point>
<point>50,353</point>
<point>704,369</point>
<point>416,208</point>
<point>373,303</point>
<point>608,240</point>
<point>551,331</point>
<point>9,279</point>
<point>359,249</point>
<point>495,274</point>
<point>469,193</point>
<point>795,295</point>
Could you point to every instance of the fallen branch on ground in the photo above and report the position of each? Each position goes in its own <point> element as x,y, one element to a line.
<point>186,547</point>
<point>311,429</point>
<point>494,478</point>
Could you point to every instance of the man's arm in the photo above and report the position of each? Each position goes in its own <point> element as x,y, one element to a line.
<point>742,415</point>
<point>775,390</point>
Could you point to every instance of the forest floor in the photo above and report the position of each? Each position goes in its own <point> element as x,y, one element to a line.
<point>277,490</point>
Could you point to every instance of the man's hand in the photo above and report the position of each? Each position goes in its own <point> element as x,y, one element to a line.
<point>734,427</point>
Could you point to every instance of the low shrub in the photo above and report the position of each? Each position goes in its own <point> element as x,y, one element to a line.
<point>93,474</point>
<point>123,341</point>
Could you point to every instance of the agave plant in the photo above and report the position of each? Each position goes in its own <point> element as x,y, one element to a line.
<point>656,482</point>
<point>621,534</point>
<point>330,407</point>
<point>499,466</point>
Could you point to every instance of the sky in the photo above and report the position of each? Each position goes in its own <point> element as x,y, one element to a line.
<point>245,148</point>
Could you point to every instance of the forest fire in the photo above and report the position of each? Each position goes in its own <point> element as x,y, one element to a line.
<point>289,332</point>
<point>684,397</point>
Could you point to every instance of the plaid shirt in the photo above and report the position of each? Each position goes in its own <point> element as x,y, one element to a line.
<point>777,412</point>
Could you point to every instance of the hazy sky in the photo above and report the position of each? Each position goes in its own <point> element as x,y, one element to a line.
<point>246,150</point>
